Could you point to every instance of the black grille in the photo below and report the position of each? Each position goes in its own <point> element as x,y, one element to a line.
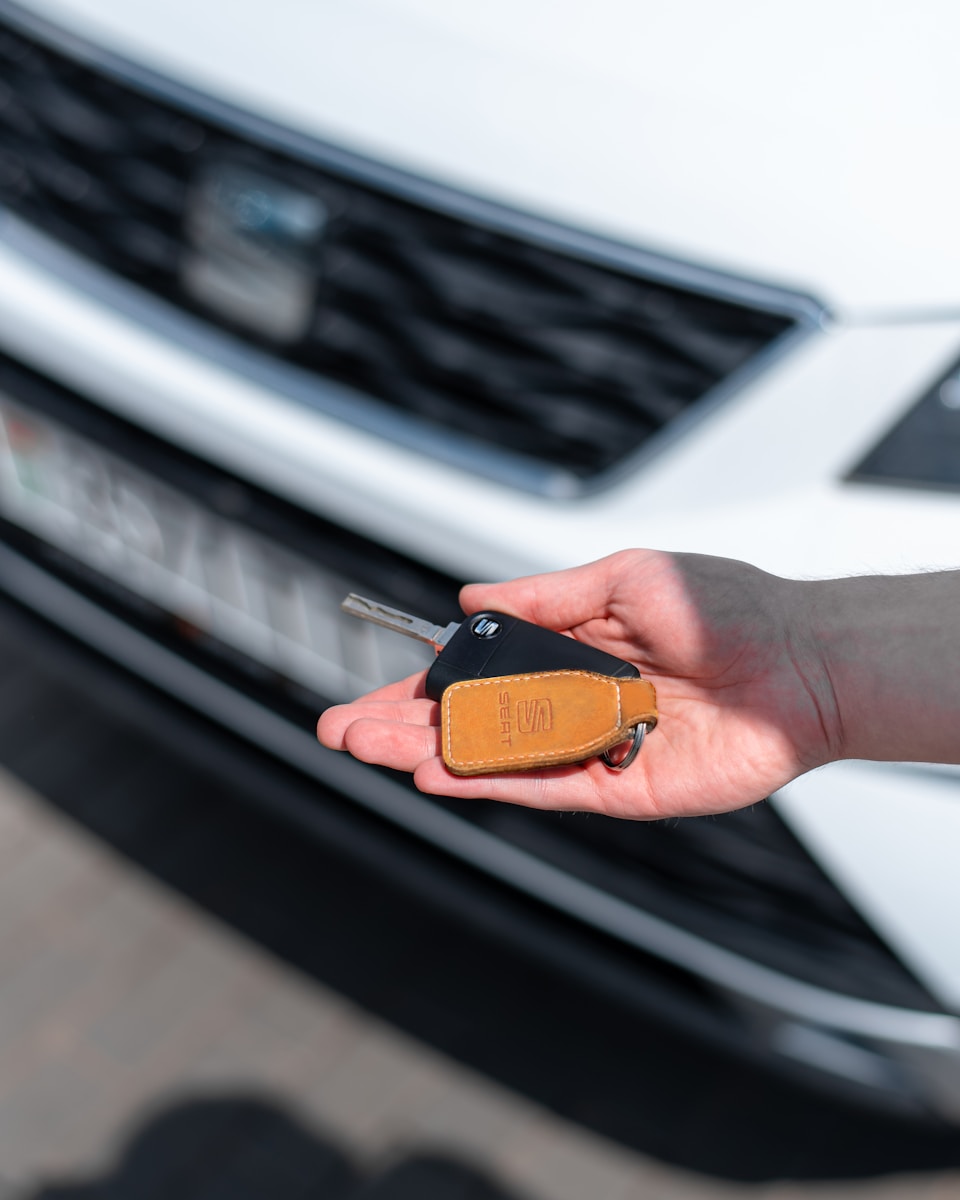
<point>490,337</point>
<point>741,880</point>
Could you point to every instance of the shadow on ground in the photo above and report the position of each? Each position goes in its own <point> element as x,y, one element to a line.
<point>249,1149</point>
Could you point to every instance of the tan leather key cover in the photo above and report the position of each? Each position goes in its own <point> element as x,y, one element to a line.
<point>544,719</point>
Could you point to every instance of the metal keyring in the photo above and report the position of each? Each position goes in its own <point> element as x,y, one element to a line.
<point>639,732</point>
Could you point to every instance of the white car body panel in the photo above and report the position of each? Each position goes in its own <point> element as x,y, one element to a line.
<point>607,118</point>
<point>905,875</point>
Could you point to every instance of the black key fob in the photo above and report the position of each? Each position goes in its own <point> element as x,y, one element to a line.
<point>492,643</point>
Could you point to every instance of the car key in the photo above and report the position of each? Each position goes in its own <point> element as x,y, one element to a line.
<point>488,644</point>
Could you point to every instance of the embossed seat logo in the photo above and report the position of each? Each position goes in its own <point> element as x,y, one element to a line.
<point>528,716</point>
<point>534,716</point>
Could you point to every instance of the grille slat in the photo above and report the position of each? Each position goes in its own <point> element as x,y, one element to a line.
<point>482,334</point>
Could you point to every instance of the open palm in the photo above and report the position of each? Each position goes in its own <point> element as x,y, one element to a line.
<point>738,715</point>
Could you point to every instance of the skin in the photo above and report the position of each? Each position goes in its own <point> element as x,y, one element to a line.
<point>758,680</point>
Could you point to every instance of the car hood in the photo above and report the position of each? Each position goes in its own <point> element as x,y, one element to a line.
<point>812,147</point>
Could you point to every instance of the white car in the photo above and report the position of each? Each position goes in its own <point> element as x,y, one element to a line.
<point>385,296</point>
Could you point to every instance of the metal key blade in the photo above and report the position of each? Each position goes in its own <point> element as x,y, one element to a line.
<point>399,621</point>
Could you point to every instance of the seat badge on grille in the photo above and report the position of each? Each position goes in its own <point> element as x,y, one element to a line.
<point>253,245</point>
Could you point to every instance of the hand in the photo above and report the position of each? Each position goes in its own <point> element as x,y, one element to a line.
<point>745,701</point>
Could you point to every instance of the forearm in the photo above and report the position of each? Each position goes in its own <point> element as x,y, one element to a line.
<point>890,647</point>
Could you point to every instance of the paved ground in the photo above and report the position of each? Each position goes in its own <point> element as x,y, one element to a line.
<point>149,1048</point>
<point>144,1045</point>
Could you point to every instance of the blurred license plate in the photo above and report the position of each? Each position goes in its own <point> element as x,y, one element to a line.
<point>233,585</point>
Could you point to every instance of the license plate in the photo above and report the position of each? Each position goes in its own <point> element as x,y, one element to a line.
<point>217,576</point>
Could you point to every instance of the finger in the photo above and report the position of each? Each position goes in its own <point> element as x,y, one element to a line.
<point>389,744</point>
<point>335,721</point>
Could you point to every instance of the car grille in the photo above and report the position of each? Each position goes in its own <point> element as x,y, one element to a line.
<point>487,339</point>
<point>740,880</point>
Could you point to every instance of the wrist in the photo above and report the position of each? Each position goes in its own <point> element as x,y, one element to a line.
<point>888,647</point>
<point>810,617</point>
